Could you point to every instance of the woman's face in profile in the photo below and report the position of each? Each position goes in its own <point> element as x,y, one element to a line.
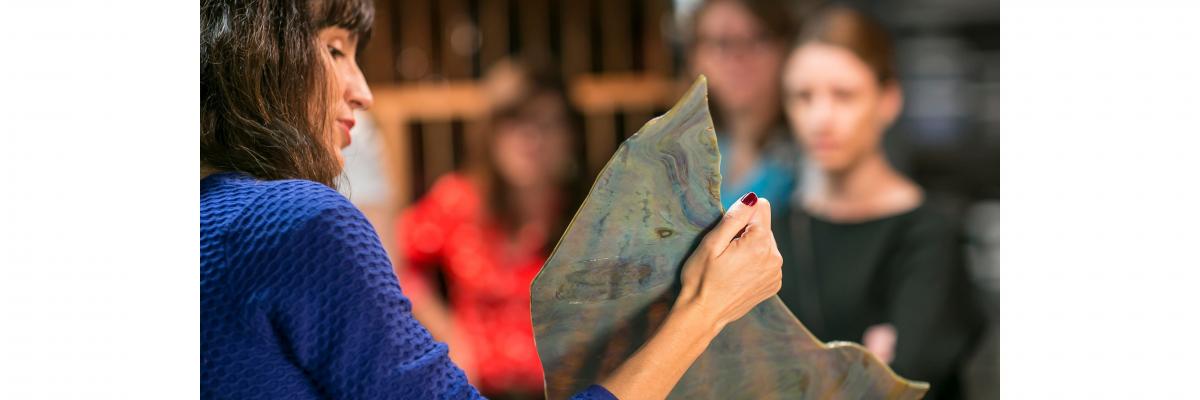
<point>350,88</point>
<point>835,104</point>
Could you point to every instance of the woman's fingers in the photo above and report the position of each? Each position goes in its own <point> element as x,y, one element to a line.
<point>756,240</point>
<point>737,217</point>
<point>760,222</point>
<point>758,244</point>
<point>763,215</point>
<point>757,232</point>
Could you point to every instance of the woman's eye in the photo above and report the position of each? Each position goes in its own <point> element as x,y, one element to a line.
<point>333,51</point>
<point>843,95</point>
<point>802,96</point>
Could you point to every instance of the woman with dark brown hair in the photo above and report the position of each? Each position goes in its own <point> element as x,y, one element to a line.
<point>298,298</point>
<point>740,45</point>
<point>489,229</point>
<point>867,260</point>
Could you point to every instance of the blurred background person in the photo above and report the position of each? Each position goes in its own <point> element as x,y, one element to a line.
<point>866,258</point>
<point>625,61</point>
<point>740,45</point>
<point>487,231</point>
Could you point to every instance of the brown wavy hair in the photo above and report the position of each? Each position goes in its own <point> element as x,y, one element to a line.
<point>537,77</point>
<point>779,20</point>
<point>264,92</point>
<point>851,29</point>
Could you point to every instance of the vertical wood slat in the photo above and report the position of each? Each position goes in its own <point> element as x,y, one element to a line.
<point>418,31</point>
<point>615,36</point>
<point>655,49</point>
<point>472,128</point>
<point>454,15</point>
<point>535,26</point>
<point>576,48</point>
<point>493,21</point>
<point>395,173</point>
<point>379,57</point>
<point>397,148</point>
<point>599,140</point>
<point>634,119</point>
<point>437,141</point>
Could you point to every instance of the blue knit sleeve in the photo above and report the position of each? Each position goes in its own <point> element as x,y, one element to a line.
<point>347,324</point>
<point>344,320</point>
<point>594,392</point>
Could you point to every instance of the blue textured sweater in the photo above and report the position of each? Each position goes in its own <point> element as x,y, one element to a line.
<point>298,301</point>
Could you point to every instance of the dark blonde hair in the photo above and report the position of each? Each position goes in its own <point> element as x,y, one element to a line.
<point>853,30</point>
<point>264,92</point>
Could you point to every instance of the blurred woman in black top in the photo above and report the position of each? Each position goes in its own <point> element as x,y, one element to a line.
<point>866,260</point>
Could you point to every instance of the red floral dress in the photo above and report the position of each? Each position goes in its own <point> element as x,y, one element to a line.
<point>488,273</point>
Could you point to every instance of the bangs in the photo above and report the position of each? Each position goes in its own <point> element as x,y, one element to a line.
<point>356,16</point>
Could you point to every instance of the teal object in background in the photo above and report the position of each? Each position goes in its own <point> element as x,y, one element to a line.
<point>773,177</point>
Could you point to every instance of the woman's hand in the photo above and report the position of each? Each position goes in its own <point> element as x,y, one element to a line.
<point>880,339</point>
<point>736,266</point>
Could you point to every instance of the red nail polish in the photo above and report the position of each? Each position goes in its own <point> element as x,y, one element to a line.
<point>750,199</point>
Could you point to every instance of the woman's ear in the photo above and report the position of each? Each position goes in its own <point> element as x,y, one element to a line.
<point>891,101</point>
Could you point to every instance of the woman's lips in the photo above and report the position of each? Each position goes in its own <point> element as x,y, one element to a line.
<point>824,146</point>
<point>347,125</point>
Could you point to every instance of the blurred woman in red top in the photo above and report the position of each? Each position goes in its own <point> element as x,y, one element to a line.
<point>490,228</point>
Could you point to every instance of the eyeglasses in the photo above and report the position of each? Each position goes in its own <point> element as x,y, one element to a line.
<point>734,45</point>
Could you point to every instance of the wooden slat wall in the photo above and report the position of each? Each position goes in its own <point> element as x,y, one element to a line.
<point>615,37</point>
<point>424,84</point>
<point>378,58</point>
<point>657,61</point>
<point>454,24</point>
<point>493,21</point>
<point>416,32</point>
<point>576,53</point>
<point>535,26</point>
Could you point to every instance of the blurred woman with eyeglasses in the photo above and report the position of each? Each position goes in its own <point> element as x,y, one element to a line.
<point>740,45</point>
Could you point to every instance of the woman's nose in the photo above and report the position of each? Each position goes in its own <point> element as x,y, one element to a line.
<point>820,112</point>
<point>358,94</point>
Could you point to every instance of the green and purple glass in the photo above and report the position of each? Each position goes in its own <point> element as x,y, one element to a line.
<point>613,276</point>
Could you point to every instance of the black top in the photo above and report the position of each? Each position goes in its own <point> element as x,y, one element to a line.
<point>905,269</point>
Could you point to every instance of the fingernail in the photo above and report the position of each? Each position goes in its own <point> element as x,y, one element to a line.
<point>750,199</point>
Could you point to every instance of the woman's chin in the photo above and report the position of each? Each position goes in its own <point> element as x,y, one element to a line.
<point>829,163</point>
